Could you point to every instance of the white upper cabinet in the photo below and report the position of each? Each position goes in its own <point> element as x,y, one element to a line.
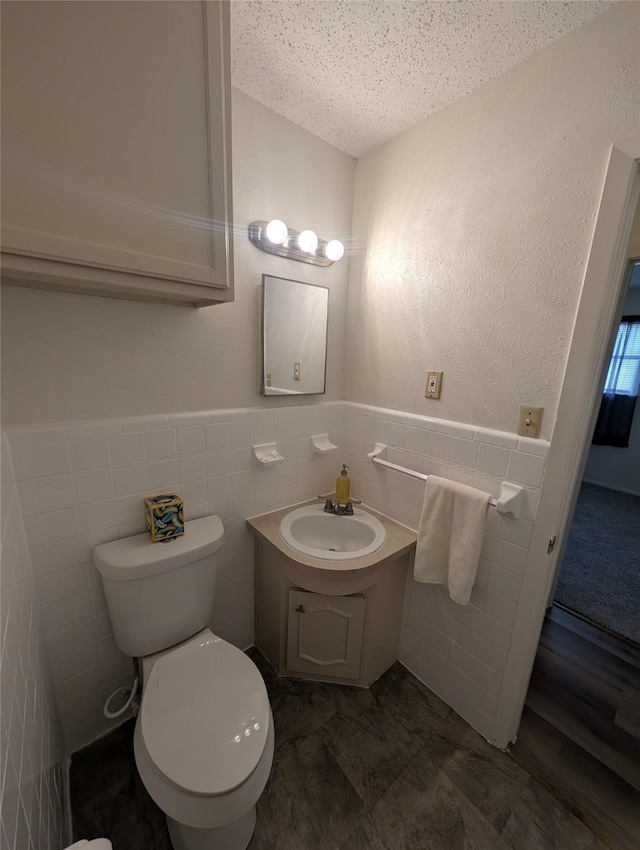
<point>116,148</point>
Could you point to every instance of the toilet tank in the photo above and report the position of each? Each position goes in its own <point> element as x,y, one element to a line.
<point>159,594</point>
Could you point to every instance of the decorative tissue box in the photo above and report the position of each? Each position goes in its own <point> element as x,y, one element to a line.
<point>165,516</point>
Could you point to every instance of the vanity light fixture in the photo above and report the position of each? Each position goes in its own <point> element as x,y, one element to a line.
<point>333,250</point>
<point>276,231</point>
<point>275,237</point>
<point>307,241</point>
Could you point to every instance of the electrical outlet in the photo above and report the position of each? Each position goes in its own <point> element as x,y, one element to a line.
<point>530,421</point>
<point>434,385</point>
<point>296,371</point>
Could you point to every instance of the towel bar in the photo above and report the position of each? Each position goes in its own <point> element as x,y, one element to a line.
<point>508,503</point>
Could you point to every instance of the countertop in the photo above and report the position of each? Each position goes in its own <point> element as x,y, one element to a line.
<point>399,540</point>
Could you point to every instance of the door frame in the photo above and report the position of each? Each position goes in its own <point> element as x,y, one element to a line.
<point>601,299</point>
<point>563,540</point>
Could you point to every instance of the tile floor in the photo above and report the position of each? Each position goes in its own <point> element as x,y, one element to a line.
<point>389,768</point>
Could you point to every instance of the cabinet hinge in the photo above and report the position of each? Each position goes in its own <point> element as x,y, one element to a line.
<point>551,546</point>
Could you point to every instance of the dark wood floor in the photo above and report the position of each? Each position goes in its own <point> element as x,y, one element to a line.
<point>608,805</point>
<point>586,682</point>
<point>580,732</point>
<point>388,768</point>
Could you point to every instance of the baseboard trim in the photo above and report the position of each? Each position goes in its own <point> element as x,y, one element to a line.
<point>610,487</point>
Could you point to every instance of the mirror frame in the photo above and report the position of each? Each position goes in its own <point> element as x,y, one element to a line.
<point>263,341</point>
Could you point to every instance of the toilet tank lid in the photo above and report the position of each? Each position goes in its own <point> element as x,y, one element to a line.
<point>139,557</point>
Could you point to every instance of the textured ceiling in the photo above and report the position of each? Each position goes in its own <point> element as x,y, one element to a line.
<point>359,72</point>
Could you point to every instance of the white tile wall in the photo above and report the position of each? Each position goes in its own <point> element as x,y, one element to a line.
<point>458,651</point>
<point>81,484</point>
<point>31,752</point>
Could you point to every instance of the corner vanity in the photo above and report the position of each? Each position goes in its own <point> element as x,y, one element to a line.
<point>334,618</point>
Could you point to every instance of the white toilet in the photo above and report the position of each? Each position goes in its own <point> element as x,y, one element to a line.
<point>203,739</point>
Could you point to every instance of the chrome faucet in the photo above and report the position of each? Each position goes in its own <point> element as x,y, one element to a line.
<point>331,507</point>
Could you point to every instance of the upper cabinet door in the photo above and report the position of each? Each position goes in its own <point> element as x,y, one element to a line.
<point>116,148</point>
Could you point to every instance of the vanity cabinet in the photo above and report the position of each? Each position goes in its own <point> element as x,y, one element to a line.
<point>330,621</point>
<point>116,146</point>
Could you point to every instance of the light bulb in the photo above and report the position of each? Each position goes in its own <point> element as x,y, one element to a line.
<point>307,241</point>
<point>277,231</point>
<point>334,250</point>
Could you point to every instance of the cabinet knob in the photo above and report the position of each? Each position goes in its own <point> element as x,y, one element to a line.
<point>301,609</point>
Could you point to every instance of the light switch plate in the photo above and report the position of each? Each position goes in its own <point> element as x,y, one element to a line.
<point>434,385</point>
<point>530,420</point>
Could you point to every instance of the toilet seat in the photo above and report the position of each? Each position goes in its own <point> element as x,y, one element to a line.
<point>205,716</point>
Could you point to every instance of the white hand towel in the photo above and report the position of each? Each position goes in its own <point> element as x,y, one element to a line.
<point>450,536</point>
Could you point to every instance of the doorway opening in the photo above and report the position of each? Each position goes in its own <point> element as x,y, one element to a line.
<point>586,676</point>
<point>580,729</point>
<point>599,577</point>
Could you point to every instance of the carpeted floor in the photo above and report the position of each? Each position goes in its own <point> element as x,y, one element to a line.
<point>600,574</point>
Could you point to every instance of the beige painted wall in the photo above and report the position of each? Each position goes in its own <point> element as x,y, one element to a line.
<point>477,225</point>
<point>71,357</point>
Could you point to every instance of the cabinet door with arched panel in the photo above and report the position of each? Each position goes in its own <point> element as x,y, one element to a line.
<point>324,634</point>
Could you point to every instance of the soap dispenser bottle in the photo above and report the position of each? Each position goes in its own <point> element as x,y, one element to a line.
<point>343,486</point>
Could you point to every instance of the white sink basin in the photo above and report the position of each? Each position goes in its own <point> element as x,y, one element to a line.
<point>323,535</point>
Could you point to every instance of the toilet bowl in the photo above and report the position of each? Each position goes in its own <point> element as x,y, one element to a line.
<point>203,741</point>
<point>204,737</point>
